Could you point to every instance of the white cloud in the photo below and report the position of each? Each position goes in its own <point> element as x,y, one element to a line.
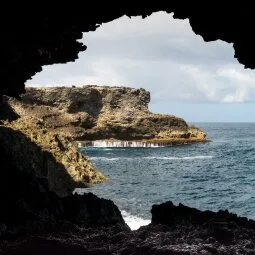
<point>240,96</point>
<point>160,54</point>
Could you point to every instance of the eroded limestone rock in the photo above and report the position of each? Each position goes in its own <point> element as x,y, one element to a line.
<point>36,150</point>
<point>99,112</point>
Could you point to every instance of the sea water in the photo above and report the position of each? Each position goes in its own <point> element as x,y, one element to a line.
<point>215,175</point>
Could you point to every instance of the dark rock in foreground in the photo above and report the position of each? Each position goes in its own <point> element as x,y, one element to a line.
<point>174,230</point>
<point>28,206</point>
<point>89,210</point>
<point>171,215</point>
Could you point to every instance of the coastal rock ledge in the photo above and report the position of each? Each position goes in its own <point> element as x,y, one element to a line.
<point>107,115</point>
<point>27,145</point>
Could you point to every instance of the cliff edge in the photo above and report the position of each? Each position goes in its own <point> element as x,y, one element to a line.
<point>42,153</point>
<point>92,113</point>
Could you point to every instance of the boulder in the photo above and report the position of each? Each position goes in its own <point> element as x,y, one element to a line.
<point>88,209</point>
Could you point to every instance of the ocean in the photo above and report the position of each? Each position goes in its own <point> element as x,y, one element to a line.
<point>215,175</point>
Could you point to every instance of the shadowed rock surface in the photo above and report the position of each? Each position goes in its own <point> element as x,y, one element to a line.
<point>29,208</point>
<point>33,37</point>
<point>99,112</point>
<point>183,230</point>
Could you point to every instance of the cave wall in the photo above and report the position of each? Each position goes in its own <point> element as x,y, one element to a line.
<point>34,36</point>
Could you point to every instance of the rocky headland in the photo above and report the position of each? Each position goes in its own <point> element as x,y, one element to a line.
<point>39,215</point>
<point>100,113</point>
<point>52,37</point>
<point>40,167</point>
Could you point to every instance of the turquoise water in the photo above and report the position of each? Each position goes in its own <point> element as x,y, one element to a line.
<point>217,175</point>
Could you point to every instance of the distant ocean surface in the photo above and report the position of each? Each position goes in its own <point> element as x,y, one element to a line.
<point>216,175</point>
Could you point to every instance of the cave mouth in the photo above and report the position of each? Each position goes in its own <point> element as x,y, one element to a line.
<point>55,41</point>
<point>157,53</point>
<point>219,88</point>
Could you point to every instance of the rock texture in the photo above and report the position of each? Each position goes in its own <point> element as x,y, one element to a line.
<point>100,112</point>
<point>52,35</point>
<point>182,230</point>
<point>33,37</point>
<point>27,200</point>
<point>46,154</point>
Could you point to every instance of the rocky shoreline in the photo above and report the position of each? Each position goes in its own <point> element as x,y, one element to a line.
<point>174,230</point>
<point>140,143</point>
<point>37,216</point>
<point>92,113</point>
<point>33,39</point>
<point>35,150</point>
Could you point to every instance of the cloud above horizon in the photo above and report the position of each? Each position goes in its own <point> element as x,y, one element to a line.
<point>160,54</point>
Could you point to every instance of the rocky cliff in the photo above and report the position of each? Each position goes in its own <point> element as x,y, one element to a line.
<point>45,154</point>
<point>99,112</point>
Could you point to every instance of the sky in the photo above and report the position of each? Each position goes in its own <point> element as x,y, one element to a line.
<point>187,77</point>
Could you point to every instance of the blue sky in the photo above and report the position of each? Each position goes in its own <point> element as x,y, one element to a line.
<point>217,112</point>
<point>186,77</point>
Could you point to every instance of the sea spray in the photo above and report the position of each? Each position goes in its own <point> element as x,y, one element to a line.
<point>120,144</point>
<point>134,222</point>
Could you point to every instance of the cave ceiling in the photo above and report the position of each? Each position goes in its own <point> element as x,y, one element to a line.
<point>43,35</point>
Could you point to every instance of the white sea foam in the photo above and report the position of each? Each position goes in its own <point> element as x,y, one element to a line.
<point>153,157</point>
<point>180,158</point>
<point>197,157</point>
<point>123,144</point>
<point>103,158</point>
<point>134,222</point>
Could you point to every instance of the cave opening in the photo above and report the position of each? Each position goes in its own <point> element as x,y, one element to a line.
<point>187,77</point>
<point>44,212</point>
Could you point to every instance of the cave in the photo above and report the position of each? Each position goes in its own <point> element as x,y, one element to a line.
<point>34,37</point>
